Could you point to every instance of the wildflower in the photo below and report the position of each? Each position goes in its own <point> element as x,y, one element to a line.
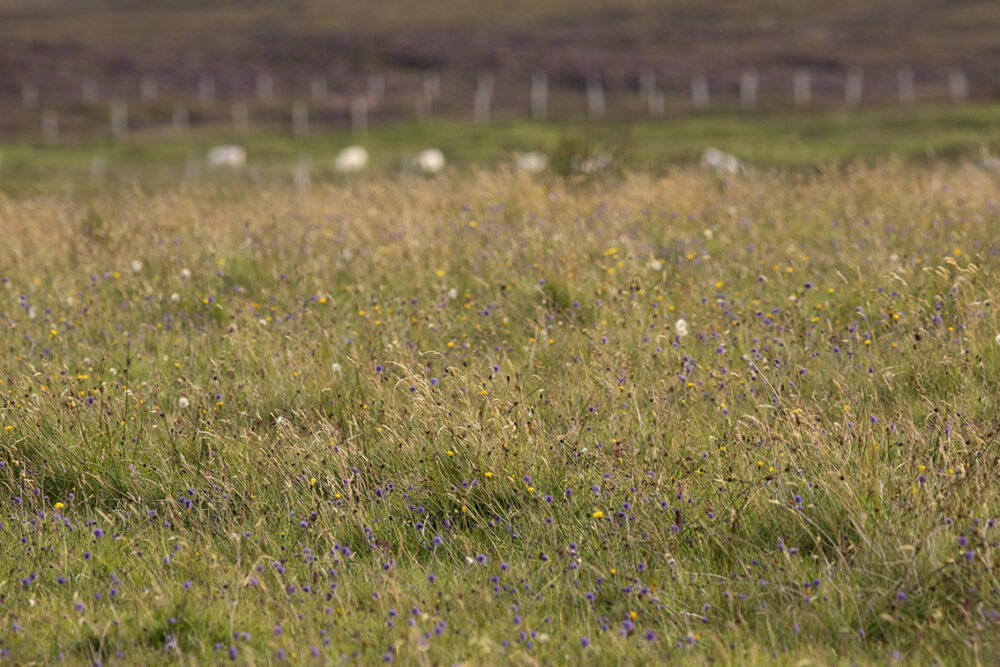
<point>681,328</point>
<point>183,402</point>
<point>598,514</point>
<point>185,273</point>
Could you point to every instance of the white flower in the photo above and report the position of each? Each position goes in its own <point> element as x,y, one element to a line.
<point>997,339</point>
<point>336,368</point>
<point>453,293</point>
<point>708,234</point>
<point>185,273</point>
<point>175,297</point>
<point>183,402</point>
<point>136,265</point>
<point>655,264</point>
<point>681,328</point>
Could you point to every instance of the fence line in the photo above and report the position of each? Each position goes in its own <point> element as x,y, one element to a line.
<point>321,104</point>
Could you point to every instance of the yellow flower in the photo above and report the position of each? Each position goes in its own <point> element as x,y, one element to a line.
<point>487,475</point>
<point>598,514</point>
<point>59,506</point>
<point>312,481</point>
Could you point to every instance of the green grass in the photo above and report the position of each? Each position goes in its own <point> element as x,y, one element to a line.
<point>242,416</point>
<point>796,140</point>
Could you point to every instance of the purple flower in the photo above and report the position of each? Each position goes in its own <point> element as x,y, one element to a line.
<point>584,642</point>
<point>481,559</point>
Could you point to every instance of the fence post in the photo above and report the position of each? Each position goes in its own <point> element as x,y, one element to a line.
<point>958,85</point>
<point>854,87</point>
<point>595,98</point>
<point>300,119</point>
<point>539,95</point>
<point>482,99</point>
<point>801,87</point>
<point>748,89</point>
<point>699,93</point>
<point>119,120</point>
<point>905,79</point>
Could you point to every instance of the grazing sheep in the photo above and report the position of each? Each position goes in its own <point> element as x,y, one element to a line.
<point>351,160</point>
<point>230,156</point>
<point>430,161</point>
<point>532,162</point>
<point>593,165</point>
<point>715,160</point>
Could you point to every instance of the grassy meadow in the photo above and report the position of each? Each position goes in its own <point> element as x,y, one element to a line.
<point>489,419</point>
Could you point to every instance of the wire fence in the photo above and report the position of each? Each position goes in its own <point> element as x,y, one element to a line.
<point>143,104</point>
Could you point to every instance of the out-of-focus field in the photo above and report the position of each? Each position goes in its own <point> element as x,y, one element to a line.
<point>798,142</point>
<point>489,419</point>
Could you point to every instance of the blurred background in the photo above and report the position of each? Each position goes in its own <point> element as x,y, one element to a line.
<point>650,81</point>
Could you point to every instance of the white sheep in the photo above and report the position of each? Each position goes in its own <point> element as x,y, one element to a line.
<point>229,156</point>
<point>532,162</point>
<point>592,165</point>
<point>351,160</point>
<point>430,161</point>
<point>715,160</point>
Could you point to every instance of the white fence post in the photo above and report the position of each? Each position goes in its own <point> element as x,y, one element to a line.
<point>595,98</point>
<point>748,89</point>
<point>699,93</point>
<point>300,119</point>
<point>905,79</point>
<point>958,85</point>
<point>539,95</point>
<point>119,120</point>
<point>854,86</point>
<point>482,99</point>
<point>801,87</point>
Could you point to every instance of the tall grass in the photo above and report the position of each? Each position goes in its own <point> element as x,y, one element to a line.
<point>460,421</point>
